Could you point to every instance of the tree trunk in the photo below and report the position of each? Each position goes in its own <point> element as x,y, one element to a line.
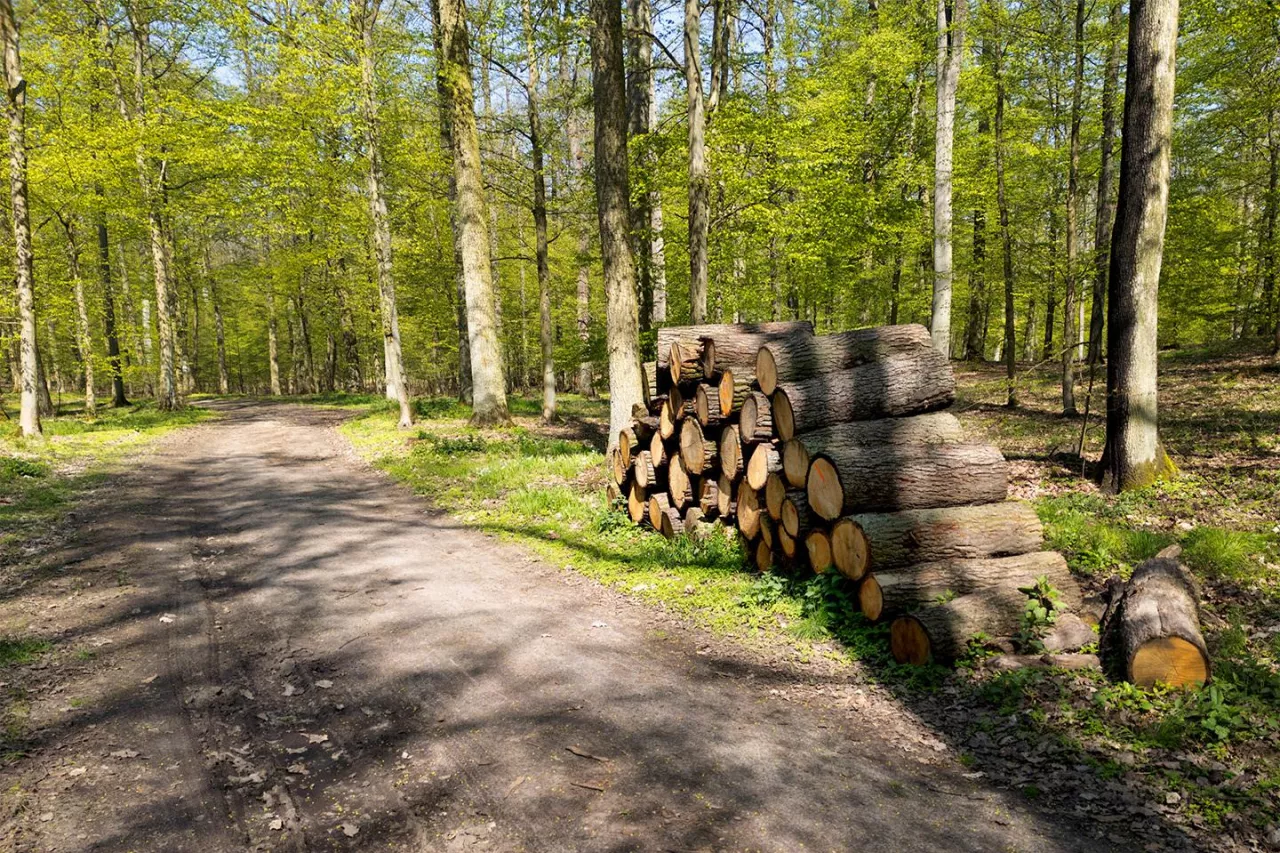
<point>626,386</point>
<point>891,541</point>
<point>892,477</point>
<point>902,384</point>
<point>1073,193</point>
<point>1105,209</point>
<point>1006,233</point>
<point>489,394</point>
<point>84,338</point>
<point>699,180</point>
<point>657,245</point>
<point>951,18</point>
<point>934,428</point>
<point>639,88</point>
<point>1134,456</point>
<point>1151,630</point>
<point>802,356</point>
<point>118,397</point>
<point>540,223</point>
<point>24,268</point>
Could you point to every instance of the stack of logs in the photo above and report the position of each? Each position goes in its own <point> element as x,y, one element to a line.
<point>836,451</point>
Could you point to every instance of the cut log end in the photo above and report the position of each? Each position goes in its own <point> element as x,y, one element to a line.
<point>748,512</point>
<point>697,452</point>
<point>826,494</point>
<point>795,515</point>
<point>756,419</point>
<point>908,641</point>
<point>638,503</point>
<point>725,492</point>
<point>784,421</point>
<point>764,556</point>
<point>870,599</point>
<point>766,370</point>
<point>775,492</point>
<point>818,544</point>
<point>672,523</point>
<point>764,461</point>
<point>795,463</point>
<point>1169,660</point>
<point>849,548</point>
<point>733,391</point>
<point>731,451</point>
<point>658,504</point>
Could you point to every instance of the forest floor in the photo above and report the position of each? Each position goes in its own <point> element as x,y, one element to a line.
<point>260,642</point>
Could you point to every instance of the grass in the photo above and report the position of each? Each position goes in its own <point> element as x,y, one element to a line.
<point>21,650</point>
<point>41,477</point>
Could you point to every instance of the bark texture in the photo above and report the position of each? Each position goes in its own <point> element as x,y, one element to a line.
<point>931,428</point>
<point>799,357</point>
<point>925,583</point>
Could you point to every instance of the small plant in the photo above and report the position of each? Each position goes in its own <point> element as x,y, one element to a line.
<point>1040,612</point>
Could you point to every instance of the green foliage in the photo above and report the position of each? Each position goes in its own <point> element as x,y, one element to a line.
<point>1218,553</point>
<point>19,650</point>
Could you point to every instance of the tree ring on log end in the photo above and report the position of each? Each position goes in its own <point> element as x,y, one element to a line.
<point>826,495</point>
<point>908,641</point>
<point>783,418</point>
<point>795,463</point>
<point>818,544</point>
<point>747,419</point>
<point>870,598</point>
<point>1169,660</point>
<point>764,556</point>
<point>766,371</point>
<point>775,492</point>
<point>849,548</point>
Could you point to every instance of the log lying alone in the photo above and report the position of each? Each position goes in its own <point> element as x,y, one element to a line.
<point>927,583</point>
<point>903,384</point>
<point>885,541</point>
<point>755,422</point>
<point>1151,629</point>
<point>888,477</point>
<point>740,350</point>
<point>942,632</point>
<point>765,460</point>
<point>799,357</point>
<point>696,450</point>
<point>931,428</point>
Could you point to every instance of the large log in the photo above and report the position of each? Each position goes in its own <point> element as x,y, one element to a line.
<point>668,335</point>
<point>775,492</point>
<point>739,350</point>
<point>818,545</point>
<point>942,632</point>
<point>885,541</point>
<point>734,388</point>
<point>1151,629</point>
<point>726,496</point>
<point>731,451</point>
<point>679,484</point>
<point>891,477</point>
<point>755,422</point>
<point>932,428</point>
<point>924,584</point>
<point>902,384</point>
<point>748,511</point>
<point>638,503</point>
<point>659,503</point>
<point>765,460</point>
<point>798,357</point>
<point>706,405</point>
<point>697,450</point>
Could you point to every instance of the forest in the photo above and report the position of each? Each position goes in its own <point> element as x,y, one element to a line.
<point>261,197</point>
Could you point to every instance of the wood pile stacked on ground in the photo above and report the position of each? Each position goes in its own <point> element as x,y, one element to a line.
<point>837,452</point>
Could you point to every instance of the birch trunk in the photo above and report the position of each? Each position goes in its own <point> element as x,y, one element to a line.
<point>489,395</point>
<point>24,273</point>
<point>626,385</point>
<point>1134,456</point>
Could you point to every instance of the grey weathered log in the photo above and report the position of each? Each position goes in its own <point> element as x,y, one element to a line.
<point>894,477</point>
<point>1151,630</point>
<point>1009,663</point>
<point>902,384</point>
<point>799,358</point>
<point>668,335</point>
<point>886,541</point>
<point>924,584</point>
<point>1069,632</point>
<point>931,428</point>
<point>755,421</point>
<point>738,351</point>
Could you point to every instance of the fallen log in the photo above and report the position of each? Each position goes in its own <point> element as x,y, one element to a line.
<point>659,503</point>
<point>1150,633</point>
<point>775,491</point>
<point>893,477</point>
<point>638,503</point>
<point>731,451</point>
<point>818,545</point>
<point>943,632</point>
<point>903,384</point>
<point>789,359</point>
<point>932,428</point>
<point>696,450</point>
<point>706,404</point>
<point>755,422</point>
<point>885,541</point>
<point>796,517</point>
<point>928,583</point>
<point>765,460</point>
<point>726,496</point>
<point>748,511</point>
<point>733,390</point>
<point>679,483</point>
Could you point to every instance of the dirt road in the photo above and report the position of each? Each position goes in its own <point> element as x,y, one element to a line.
<point>291,652</point>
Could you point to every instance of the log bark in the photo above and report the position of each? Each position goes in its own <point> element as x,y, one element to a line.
<point>932,428</point>
<point>679,484</point>
<point>726,494</point>
<point>943,632</point>
<point>734,388</point>
<point>646,473</point>
<point>818,545</point>
<point>925,584</point>
<point>749,512</point>
<point>765,460</point>
<point>697,450</point>
<point>775,492</point>
<point>659,503</point>
<point>672,523</point>
<point>709,497</point>
<point>887,541</point>
<point>706,404</point>
<point>756,421</point>
<point>731,451</point>
<point>1151,629</point>
<point>799,357</point>
<point>902,384</point>
<point>737,351</point>
<point>796,515</point>
<point>685,361</point>
<point>859,479</point>
<point>638,503</point>
<point>668,335</point>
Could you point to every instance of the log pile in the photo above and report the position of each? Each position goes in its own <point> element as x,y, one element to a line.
<point>835,453</point>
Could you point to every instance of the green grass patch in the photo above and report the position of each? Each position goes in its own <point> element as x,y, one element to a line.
<point>1234,554</point>
<point>19,650</point>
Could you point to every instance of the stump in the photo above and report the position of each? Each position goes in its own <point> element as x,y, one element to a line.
<point>903,384</point>
<point>892,477</point>
<point>756,419</point>
<point>765,460</point>
<point>798,357</point>
<point>1151,629</point>
<point>891,540</point>
<point>933,428</point>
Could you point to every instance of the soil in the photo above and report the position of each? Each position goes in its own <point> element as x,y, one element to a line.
<point>280,648</point>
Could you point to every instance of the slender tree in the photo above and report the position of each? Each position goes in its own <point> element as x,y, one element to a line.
<point>1105,210</point>
<point>1134,456</point>
<point>951,20</point>
<point>540,220</point>
<point>24,266</point>
<point>699,179</point>
<point>1071,275</point>
<point>626,387</point>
